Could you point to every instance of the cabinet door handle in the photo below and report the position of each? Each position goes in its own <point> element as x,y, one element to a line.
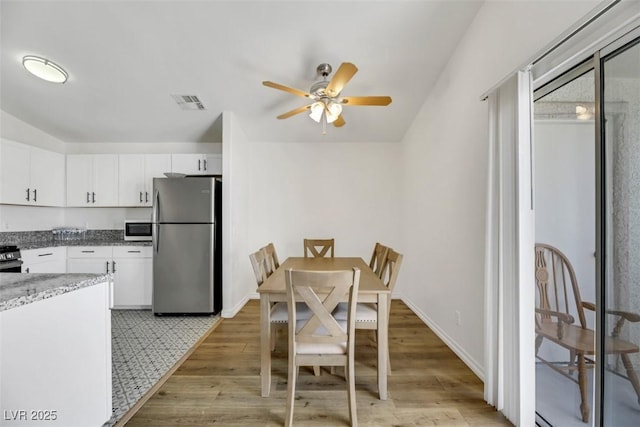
<point>141,197</point>
<point>88,252</point>
<point>93,197</point>
<point>205,164</point>
<point>27,194</point>
<point>113,266</point>
<point>88,200</point>
<point>35,194</point>
<point>107,267</point>
<point>47,254</point>
<point>198,164</point>
<point>133,252</point>
<point>26,270</point>
<point>146,197</point>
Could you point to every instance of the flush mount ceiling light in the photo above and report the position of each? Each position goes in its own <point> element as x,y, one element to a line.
<point>45,69</point>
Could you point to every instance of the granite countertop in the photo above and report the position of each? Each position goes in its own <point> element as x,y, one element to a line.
<point>37,244</point>
<point>17,289</point>
<point>44,239</point>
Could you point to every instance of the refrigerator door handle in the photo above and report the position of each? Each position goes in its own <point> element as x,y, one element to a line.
<point>155,238</point>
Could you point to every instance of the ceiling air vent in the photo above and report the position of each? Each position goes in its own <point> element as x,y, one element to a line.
<point>188,102</point>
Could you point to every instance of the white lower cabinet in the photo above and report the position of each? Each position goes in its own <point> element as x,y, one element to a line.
<point>44,260</point>
<point>55,360</point>
<point>89,259</point>
<point>131,265</point>
<point>133,276</point>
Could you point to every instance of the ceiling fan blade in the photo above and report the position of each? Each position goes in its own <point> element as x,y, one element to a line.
<point>339,122</point>
<point>366,100</point>
<point>341,78</point>
<point>287,89</point>
<point>294,112</point>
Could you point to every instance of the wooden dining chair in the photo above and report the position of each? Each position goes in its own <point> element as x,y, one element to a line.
<point>367,313</point>
<point>279,315</point>
<point>272,258</point>
<point>318,248</point>
<point>557,303</point>
<point>321,339</point>
<point>378,258</point>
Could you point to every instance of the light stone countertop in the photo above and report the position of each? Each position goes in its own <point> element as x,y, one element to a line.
<point>18,289</point>
<point>44,239</point>
<point>38,244</point>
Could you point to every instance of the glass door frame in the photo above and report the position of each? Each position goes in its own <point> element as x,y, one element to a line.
<point>586,66</point>
<point>630,39</point>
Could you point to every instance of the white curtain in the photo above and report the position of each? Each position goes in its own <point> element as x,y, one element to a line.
<point>509,288</point>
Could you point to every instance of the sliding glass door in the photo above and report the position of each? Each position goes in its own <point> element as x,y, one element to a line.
<point>586,151</point>
<point>564,151</point>
<point>620,236</point>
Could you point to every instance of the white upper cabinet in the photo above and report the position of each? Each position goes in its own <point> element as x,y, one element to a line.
<point>31,175</point>
<point>197,164</point>
<point>92,180</point>
<point>136,173</point>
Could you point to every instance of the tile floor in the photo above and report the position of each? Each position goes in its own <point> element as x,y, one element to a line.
<point>144,348</point>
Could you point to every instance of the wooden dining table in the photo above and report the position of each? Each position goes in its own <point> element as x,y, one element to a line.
<point>371,289</point>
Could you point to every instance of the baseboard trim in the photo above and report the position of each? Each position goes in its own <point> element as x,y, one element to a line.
<point>477,368</point>
<point>229,313</point>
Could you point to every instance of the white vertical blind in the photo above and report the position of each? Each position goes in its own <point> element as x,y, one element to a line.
<point>509,298</point>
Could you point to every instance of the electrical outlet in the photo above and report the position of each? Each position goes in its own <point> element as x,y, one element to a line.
<point>458,318</point>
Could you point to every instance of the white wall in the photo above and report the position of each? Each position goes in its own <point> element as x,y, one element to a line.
<point>444,162</point>
<point>15,129</point>
<point>284,192</point>
<point>345,191</point>
<point>238,282</point>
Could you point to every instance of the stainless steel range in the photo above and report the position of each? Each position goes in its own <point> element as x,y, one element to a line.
<point>10,259</point>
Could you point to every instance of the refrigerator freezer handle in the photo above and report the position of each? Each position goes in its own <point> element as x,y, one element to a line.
<point>155,238</point>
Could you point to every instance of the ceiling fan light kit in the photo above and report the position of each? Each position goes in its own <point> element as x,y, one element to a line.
<point>326,95</point>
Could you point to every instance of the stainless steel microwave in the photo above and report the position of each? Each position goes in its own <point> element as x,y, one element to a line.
<point>137,230</point>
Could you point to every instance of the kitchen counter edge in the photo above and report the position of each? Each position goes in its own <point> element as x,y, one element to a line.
<point>19,289</point>
<point>39,244</point>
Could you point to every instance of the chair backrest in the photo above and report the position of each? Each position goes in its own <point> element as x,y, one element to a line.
<point>321,291</point>
<point>389,273</point>
<point>556,285</point>
<point>271,257</point>
<point>259,264</point>
<point>378,258</point>
<point>318,248</point>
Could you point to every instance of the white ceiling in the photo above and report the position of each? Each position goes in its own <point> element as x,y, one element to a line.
<point>126,58</point>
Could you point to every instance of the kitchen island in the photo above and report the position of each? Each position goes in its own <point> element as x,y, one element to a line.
<point>55,349</point>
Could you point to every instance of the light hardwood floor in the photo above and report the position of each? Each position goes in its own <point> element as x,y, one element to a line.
<point>219,384</point>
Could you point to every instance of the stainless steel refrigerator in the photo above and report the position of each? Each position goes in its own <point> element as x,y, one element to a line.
<point>187,245</point>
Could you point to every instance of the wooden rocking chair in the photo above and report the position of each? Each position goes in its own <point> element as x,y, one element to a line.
<point>557,302</point>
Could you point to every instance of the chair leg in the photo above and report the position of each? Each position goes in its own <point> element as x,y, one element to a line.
<point>351,390</point>
<point>539,339</point>
<point>291,391</point>
<point>582,384</point>
<point>273,337</point>
<point>631,373</point>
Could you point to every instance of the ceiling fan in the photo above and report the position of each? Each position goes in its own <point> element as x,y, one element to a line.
<point>327,102</point>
